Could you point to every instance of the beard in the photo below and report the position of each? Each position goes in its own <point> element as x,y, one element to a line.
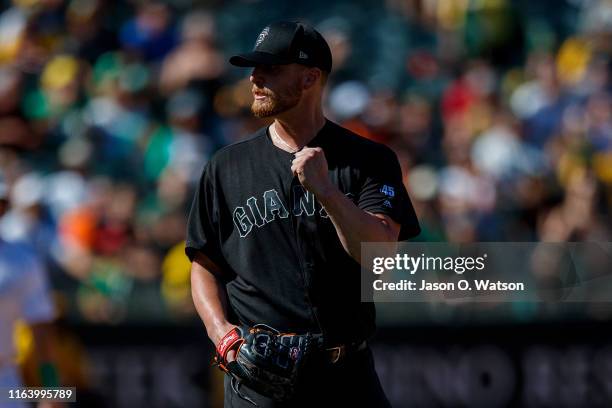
<point>277,102</point>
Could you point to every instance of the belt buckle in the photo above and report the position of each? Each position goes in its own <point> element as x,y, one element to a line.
<point>339,350</point>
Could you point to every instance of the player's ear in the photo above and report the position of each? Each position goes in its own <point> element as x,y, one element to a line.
<point>310,78</point>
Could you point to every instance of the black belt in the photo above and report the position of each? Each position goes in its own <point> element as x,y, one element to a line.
<point>338,353</point>
<point>334,354</point>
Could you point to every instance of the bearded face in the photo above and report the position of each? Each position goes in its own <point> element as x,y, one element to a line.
<point>276,98</point>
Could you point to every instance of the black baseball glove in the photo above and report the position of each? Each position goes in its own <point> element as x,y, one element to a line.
<point>267,361</point>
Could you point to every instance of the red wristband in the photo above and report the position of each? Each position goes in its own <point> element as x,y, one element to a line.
<point>230,341</point>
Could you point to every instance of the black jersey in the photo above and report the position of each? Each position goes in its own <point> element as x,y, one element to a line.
<point>280,254</point>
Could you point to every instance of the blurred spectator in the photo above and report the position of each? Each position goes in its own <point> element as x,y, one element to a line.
<point>151,33</point>
<point>15,130</point>
<point>89,38</point>
<point>196,58</point>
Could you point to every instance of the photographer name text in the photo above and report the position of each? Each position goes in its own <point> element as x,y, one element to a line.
<point>463,284</point>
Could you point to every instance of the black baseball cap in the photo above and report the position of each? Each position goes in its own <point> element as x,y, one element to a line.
<point>287,42</point>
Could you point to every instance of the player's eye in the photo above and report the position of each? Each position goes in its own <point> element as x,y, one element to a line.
<point>271,69</point>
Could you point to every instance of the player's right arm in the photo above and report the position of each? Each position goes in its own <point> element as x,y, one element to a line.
<point>210,297</point>
<point>202,248</point>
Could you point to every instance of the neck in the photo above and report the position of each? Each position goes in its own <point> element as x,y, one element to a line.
<point>297,127</point>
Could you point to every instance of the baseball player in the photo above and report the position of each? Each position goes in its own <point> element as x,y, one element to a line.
<point>274,237</point>
<point>24,294</point>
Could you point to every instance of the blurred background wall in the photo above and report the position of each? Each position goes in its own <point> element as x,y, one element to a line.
<point>499,111</point>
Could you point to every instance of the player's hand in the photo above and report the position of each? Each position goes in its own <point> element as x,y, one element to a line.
<point>310,166</point>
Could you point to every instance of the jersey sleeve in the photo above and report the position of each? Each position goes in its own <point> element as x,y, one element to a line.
<point>36,303</point>
<point>203,220</point>
<point>383,192</point>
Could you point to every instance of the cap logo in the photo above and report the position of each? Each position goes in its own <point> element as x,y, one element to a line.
<point>262,36</point>
<point>303,55</point>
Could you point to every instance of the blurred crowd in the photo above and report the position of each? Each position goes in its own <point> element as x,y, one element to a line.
<point>500,112</point>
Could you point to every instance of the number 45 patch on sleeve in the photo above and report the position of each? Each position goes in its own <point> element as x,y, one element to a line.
<point>387,190</point>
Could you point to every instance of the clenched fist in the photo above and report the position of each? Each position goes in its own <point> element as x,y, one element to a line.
<point>310,166</point>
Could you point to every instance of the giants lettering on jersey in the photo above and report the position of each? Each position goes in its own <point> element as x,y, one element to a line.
<point>259,213</point>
